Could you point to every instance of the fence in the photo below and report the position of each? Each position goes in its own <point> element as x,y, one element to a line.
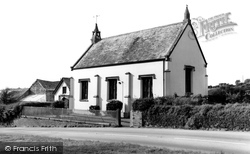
<point>108,117</point>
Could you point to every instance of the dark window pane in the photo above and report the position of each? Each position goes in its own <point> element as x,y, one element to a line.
<point>147,87</point>
<point>84,90</point>
<point>64,90</point>
<point>188,80</point>
<point>112,89</point>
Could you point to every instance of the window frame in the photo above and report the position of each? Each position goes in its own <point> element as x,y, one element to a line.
<point>149,85</point>
<point>189,79</point>
<point>81,95</point>
<point>114,80</point>
<point>64,90</point>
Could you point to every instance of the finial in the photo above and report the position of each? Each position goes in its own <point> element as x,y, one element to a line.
<point>187,15</point>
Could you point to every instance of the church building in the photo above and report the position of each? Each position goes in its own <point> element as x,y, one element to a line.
<point>154,62</point>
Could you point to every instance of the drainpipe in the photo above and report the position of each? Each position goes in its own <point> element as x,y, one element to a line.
<point>71,94</point>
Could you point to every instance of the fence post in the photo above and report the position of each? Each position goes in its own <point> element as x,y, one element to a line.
<point>118,117</point>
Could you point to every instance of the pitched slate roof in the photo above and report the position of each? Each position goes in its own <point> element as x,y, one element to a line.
<point>48,85</point>
<point>67,82</point>
<point>145,45</point>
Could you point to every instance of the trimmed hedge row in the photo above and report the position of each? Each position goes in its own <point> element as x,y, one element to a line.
<point>230,117</point>
<point>143,104</point>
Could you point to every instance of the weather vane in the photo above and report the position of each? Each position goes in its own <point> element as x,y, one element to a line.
<point>96,16</point>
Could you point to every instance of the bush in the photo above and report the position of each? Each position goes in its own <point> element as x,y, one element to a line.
<point>217,96</point>
<point>7,97</point>
<point>58,104</point>
<point>8,115</point>
<point>114,105</point>
<point>182,100</point>
<point>165,100</point>
<point>142,104</point>
<point>94,107</point>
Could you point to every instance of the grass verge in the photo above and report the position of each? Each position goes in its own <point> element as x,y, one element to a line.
<point>96,147</point>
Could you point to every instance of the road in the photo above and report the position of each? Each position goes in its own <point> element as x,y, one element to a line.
<point>211,141</point>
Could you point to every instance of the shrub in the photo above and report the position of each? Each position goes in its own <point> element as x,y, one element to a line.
<point>182,100</point>
<point>58,104</point>
<point>142,104</point>
<point>198,100</point>
<point>7,96</point>
<point>2,109</point>
<point>114,105</point>
<point>165,100</point>
<point>94,107</point>
<point>8,115</point>
<point>246,98</point>
<point>217,96</point>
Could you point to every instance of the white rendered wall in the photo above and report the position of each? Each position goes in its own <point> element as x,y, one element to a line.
<point>122,89</point>
<point>59,91</point>
<point>187,52</point>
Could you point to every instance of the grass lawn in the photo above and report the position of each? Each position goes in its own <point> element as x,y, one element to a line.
<point>96,147</point>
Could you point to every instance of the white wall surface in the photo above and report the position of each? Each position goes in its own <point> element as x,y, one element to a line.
<point>187,52</point>
<point>60,91</point>
<point>122,89</point>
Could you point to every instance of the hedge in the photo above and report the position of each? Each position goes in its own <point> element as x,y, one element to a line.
<point>143,104</point>
<point>58,104</point>
<point>36,104</point>
<point>230,117</point>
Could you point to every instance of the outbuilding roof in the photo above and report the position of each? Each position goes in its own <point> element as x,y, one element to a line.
<point>67,82</point>
<point>48,85</point>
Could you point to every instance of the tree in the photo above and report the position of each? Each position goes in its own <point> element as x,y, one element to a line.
<point>7,97</point>
<point>247,81</point>
<point>237,82</point>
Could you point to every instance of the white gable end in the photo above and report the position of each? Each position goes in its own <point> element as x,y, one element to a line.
<point>187,54</point>
<point>59,92</point>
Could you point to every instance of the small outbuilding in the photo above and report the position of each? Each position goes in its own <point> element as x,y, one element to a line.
<point>40,91</point>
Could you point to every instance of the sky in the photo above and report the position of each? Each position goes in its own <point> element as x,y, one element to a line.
<point>42,39</point>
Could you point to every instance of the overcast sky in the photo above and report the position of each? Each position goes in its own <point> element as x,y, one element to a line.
<point>42,39</point>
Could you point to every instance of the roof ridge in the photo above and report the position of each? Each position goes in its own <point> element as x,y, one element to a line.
<point>143,30</point>
<point>47,80</point>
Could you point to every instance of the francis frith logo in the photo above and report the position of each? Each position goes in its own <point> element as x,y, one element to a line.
<point>212,28</point>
